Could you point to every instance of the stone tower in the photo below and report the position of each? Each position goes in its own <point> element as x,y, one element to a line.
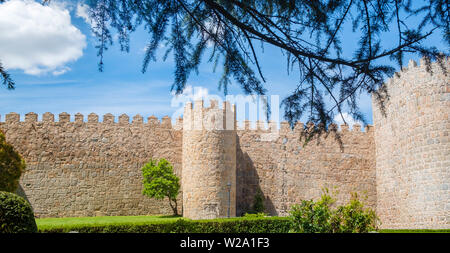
<point>413,149</point>
<point>209,161</point>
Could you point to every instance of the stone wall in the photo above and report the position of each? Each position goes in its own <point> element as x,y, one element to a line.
<point>401,165</point>
<point>91,168</point>
<point>413,149</point>
<point>285,170</point>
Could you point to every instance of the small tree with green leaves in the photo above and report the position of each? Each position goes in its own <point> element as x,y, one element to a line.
<point>11,166</point>
<point>160,182</point>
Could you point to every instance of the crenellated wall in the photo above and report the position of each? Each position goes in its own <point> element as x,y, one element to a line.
<point>89,168</point>
<point>413,149</point>
<point>86,168</point>
<point>209,161</point>
<point>280,165</point>
<point>401,165</point>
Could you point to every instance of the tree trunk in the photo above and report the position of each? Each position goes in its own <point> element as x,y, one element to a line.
<point>174,208</point>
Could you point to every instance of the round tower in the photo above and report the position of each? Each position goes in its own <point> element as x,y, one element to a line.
<point>209,161</point>
<point>413,147</point>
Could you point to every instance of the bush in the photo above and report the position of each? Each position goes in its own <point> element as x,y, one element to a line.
<point>258,203</point>
<point>16,215</point>
<point>160,182</point>
<point>182,225</point>
<point>11,166</point>
<point>254,215</point>
<point>318,217</point>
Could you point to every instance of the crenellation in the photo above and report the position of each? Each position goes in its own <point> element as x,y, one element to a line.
<point>299,127</point>
<point>31,117</point>
<point>356,128</point>
<point>310,126</point>
<point>166,122</point>
<point>92,118</point>
<point>412,64</point>
<point>198,115</point>
<point>247,125</point>
<point>285,127</point>
<point>138,120</point>
<point>344,128</point>
<point>333,127</point>
<point>368,128</point>
<point>178,124</point>
<point>12,117</point>
<point>64,117</point>
<point>108,118</point>
<point>153,121</point>
<point>260,125</point>
<point>272,126</point>
<point>48,117</point>
<point>124,119</point>
<point>79,118</point>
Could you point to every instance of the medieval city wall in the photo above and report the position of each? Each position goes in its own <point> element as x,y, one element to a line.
<point>413,149</point>
<point>286,168</point>
<point>401,165</point>
<point>89,168</point>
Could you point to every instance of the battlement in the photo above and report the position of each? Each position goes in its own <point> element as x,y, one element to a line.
<point>300,127</point>
<point>198,117</point>
<point>419,71</point>
<point>92,118</point>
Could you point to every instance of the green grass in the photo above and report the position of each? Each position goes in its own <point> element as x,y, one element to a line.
<point>50,223</point>
<point>414,231</point>
<point>139,224</point>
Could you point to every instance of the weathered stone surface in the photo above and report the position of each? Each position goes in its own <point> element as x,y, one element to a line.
<point>402,164</point>
<point>209,163</point>
<point>286,170</point>
<point>92,168</point>
<point>413,149</point>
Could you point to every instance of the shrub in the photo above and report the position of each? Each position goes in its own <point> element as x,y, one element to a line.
<point>11,166</point>
<point>16,215</point>
<point>254,215</point>
<point>182,225</point>
<point>354,218</point>
<point>319,217</point>
<point>160,182</point>
<point>258,203</point>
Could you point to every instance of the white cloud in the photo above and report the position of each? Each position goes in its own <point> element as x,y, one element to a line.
<point>348,119</point>
<point>38,39</point>
<point>83,12</point>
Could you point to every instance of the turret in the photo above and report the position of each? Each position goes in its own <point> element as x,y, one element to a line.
<point>412,148</point>
<point>209,161</point>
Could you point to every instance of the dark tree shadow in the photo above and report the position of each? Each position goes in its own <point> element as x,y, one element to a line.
<point>247,185</point>
<point>22,194</point>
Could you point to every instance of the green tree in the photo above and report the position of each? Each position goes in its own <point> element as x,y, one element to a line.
<point>160,182</point>
<point>11,166</point>
<point>258,203</point>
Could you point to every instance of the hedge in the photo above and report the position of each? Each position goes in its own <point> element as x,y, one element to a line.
<point>16,214</point>
<point>181,225</point>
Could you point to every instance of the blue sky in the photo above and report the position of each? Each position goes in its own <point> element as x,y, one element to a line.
<point>73,83</point>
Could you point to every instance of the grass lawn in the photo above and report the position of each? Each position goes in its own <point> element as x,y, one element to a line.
<point>72,223</point>
<point>46,223</point>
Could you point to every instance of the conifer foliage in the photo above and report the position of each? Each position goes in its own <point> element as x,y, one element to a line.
<point>233,33</point>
